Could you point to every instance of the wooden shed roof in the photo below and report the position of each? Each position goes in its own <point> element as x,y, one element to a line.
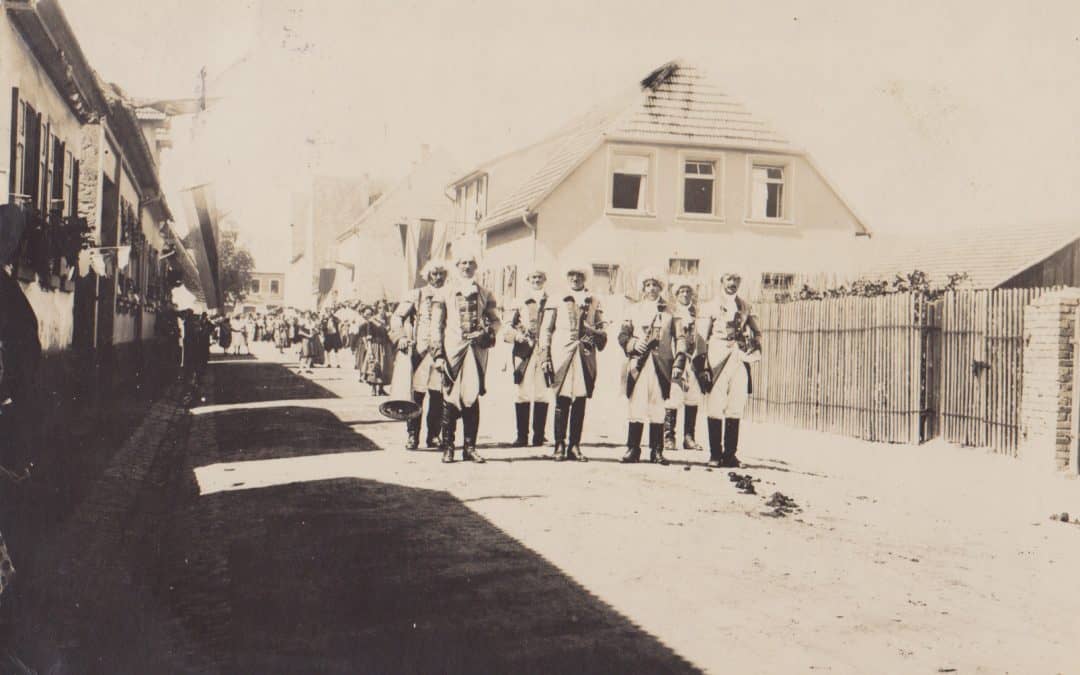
<point>990,256</point>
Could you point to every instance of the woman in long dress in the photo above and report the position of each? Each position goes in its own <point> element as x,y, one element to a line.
<point>376,340</point>
<point>308,340</point>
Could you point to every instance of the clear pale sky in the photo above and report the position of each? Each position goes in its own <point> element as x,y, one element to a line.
<point>924,114</point>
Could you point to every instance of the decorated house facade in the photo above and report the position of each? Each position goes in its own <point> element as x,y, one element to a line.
<point>95,252</point>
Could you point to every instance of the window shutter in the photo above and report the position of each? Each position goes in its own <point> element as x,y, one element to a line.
<point>73,208</point>
<point>12,172</point>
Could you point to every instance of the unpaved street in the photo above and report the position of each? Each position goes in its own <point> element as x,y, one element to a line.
<point>287,530</point>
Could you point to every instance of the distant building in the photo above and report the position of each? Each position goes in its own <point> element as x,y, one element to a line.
<point>266,292</point>
<point>675,175</point>
<point>319,213</point>
<point>379,254</point>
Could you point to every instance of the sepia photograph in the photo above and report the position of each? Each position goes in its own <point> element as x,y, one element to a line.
<point>494,336</point>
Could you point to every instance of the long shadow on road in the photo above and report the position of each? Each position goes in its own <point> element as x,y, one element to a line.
<point>361,576</point>
<point>353,575</point>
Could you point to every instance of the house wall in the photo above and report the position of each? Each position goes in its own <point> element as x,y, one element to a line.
<point>574,223</point>
<point>264,296</point>
<point>375,248</point>
<point>19,68</point>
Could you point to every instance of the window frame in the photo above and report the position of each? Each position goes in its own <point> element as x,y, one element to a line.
<point>787,201</point>
<point>719,176</point>
<point>275,287</point>
<point>650,185</point>
<point>255,287</point>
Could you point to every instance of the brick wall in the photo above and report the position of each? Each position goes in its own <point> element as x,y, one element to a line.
<point>1047,401</point>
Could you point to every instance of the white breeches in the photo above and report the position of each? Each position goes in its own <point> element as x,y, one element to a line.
<point>573,385</point>
<point>532,388</point>
<point>466,388</point>
<point>647,402</point>
<point>425,377</point>
<point>692,395</point>
<point>728,395</point>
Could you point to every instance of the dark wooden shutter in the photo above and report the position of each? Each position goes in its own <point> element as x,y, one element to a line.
<point>12,173</point>
<point>73,208</point>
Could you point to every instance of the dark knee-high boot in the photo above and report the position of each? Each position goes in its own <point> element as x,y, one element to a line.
<point>449,430</point>
<point>656,444</point>
<point>577,423</point>
<point>521,413</point>
<point>470,421</point>
<point>412,426</point>
<point>539,423</point>
<point>633,442</point>
<point>689,427</point>
<point>434,417</point>
<point>562,423</point>
<point>671,421</point>
<point>731,441</point>
<point>716,441</point>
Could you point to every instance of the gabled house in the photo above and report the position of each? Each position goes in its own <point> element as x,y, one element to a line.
<point>675,175</point>
<point>380,254</point>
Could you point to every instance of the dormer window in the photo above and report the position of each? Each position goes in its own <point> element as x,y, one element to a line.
<point>631,190</point>
<point>767,199</point>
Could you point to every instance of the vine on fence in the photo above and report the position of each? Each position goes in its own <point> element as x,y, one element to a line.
<point>916,282</point>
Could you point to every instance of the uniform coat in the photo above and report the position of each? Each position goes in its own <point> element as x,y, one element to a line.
<point>567,323</point>
<point>464,321</point>
<point>723,324</point>
<point>523,333</point>
<point>687,391</point>
<point>412,321</point>
<point>648,385</point>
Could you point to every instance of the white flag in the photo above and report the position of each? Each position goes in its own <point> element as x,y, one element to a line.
<point>123,255</point>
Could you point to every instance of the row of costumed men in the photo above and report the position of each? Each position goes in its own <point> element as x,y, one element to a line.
<point>677,355</point>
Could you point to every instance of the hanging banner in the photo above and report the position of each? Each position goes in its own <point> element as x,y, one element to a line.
<point>202,217</point>
<point>421,242</point>
<point>123,255</point>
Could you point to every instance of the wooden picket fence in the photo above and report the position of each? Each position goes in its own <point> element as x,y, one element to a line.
<point>982,336</point>
<point>852,366</point>
<point>897,368</point>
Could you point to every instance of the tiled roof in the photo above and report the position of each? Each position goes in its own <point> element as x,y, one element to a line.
<point>674,104</point>
<point>990,255</point>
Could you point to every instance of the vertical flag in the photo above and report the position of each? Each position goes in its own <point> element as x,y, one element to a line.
<point>421,242</point>
<point>202,217</point>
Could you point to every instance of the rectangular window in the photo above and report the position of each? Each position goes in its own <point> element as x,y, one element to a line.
<point>687,267</point>
<point>255,286</point>
<point>57,178</point>
<point>274,287</point>
<point>604,278</point>
<point>699,187</point>
<point>767,199</point>
<point>777,281</point>
<point>630,182</point>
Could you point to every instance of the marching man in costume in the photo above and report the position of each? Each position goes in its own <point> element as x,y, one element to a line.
<point>731,334</point>
<point>648,339</point>
<point>685,390</point>
<point>465,323</point>
<point>411,330</point>
<point>523,333</point>
<point>570,337</point>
